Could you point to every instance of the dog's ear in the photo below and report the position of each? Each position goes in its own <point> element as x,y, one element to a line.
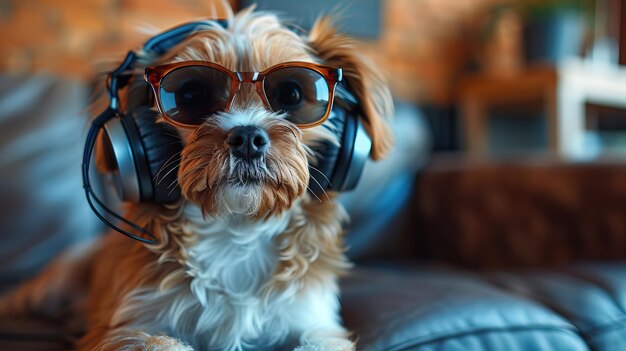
<point>363,79</point>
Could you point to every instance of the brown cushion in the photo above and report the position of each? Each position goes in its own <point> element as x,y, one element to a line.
<point>522,213</point>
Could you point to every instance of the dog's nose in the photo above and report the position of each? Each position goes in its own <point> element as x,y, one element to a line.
<point>248,142</point>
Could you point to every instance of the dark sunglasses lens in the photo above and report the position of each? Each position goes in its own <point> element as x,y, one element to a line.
<point>299,92</point>
<point>189,95</point>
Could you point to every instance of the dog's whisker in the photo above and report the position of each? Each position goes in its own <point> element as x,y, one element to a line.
<point>172,184</point>
<point>186,173</point>
<point>311,191</point>
<point>174,135</point>
<point>173,158</point>
<point>170,162</point>
<point>173,188</point>
<point>322,173</point>
<point>320,186</point>
<point>167,174</point>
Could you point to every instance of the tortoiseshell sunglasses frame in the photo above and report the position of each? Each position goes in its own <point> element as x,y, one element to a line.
<point>154,76</point>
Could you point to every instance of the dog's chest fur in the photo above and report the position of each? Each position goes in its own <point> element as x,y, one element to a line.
<point>233,257</point>
<point>223,305</point>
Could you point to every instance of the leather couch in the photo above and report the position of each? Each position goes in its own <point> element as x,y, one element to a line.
<point>512,255</point>
<point>405,293</point>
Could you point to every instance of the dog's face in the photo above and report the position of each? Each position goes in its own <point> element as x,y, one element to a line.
<point>248,159</point>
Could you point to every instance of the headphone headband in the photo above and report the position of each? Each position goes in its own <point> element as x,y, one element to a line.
<point>157,45</point>
<point>163,42</point>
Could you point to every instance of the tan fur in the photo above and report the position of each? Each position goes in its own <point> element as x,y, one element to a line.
<point>306,258</point>
<point>288,161</point>
<point>310,253</point>
<point>201,165</point>
<point>121,266</point>
<point>204,158</point>
<point>365,81</point>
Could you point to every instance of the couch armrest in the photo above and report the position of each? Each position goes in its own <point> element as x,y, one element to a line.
<point>33,335</point>
<point>522,213</point>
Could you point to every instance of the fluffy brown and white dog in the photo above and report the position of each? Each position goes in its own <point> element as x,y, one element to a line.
<point>238,266</point>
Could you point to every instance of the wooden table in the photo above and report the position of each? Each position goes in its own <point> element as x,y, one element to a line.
<point>564,90</point>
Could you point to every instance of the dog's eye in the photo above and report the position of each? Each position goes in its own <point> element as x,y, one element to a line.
<point>289,94</point>
<point>301,93</point>
<point>191,94</point>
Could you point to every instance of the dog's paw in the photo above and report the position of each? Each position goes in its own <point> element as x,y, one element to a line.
<point>331,344</point>
<point>166,343</point>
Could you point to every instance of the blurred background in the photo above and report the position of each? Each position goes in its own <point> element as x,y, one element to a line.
<point>506,191</point>
<point>511,121</point>
<point>447,57</point>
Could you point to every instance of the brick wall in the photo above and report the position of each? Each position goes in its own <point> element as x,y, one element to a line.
<point>423,46</point>
<point>426,43</point>
<point>70,37</point>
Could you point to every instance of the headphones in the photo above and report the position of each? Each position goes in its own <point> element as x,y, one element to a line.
<point>144,155</point>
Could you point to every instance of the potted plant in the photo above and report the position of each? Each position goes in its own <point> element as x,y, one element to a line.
<point>551,29</point>
<point>554,29</point>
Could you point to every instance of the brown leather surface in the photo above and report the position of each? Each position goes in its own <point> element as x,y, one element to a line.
<point>522,213</point>
<point>32,335</point>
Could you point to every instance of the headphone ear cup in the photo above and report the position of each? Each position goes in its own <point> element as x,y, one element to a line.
<point>339,167</point>
<point>356,146</point>
<point>104,153</point>
<point>326,154</point>
<point>161,148</point>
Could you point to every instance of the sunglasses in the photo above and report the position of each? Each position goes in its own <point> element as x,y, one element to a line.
<point>189,92</point>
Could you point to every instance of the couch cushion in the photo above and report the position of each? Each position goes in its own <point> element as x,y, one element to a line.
<point>42,127</point>
<point>592,296</point>
<point>428,308</point>
<point>406,308</point>
<point>420,307</point>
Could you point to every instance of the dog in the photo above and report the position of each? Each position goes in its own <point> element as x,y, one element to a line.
<point>247,258</point>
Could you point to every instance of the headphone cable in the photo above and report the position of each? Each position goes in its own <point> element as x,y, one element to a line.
<point>96,126</point>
